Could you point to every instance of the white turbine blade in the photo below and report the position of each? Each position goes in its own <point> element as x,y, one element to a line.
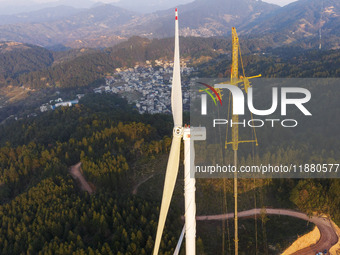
<point>173,162</point>
<point>169,185</point>
<point>179,244</point>
<point>176,90</point>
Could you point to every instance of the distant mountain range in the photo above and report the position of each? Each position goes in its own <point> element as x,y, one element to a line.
<point>96,23</point>
<point>207,18</point>
<point>149,6</point>
<point>44,15</point>
<point>15,7</point>
<point>301,22</point>
<point>105,25</point>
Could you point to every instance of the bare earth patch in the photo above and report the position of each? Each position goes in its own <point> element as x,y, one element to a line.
<point>76,173</point>
<point>304,241</point>
<point>335,250</point>
<point>328,236</point>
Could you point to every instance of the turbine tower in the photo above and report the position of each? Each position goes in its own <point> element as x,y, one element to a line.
<point>190,135</point>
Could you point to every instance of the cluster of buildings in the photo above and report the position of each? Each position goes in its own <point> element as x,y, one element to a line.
<point>53,104</point>
<point>148,86</point>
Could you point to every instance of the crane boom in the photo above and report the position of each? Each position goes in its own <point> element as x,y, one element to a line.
<point>234,78</point>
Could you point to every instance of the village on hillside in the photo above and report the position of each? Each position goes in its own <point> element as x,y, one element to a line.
<point>147,85</point>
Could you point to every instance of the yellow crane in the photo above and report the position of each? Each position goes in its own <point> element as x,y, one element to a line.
<point>237,80</point>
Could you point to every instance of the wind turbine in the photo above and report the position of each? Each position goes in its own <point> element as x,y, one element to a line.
<point>190,134</point>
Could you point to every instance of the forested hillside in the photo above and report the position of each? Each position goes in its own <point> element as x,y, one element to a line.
<point>86,69</point>
<point>79,68</point>
<point>17,58</point>
<point>43,210</point>
<point>280,63</point>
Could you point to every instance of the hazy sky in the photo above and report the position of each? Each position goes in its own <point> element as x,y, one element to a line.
<point>279,2</point>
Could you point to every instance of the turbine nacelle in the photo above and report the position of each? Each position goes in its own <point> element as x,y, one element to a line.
<point>195,133</point>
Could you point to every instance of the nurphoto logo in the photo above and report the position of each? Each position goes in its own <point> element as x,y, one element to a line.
<point>238,104</point>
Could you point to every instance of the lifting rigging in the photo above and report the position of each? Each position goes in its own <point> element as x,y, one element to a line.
<point>242,81</point>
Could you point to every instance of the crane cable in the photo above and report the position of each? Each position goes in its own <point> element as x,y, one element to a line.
<point>244,75</point>
<point>255,205</point>
<point>253,157</point>
<point>224,202</point>
<point>253,134</point>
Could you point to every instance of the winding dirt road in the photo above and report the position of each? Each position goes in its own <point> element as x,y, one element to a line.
<point>328,235</point>
<point>77,175</point>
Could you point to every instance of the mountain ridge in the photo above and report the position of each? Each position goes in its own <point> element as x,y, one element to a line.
<point>107,25</point>
<point>42,15</point>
